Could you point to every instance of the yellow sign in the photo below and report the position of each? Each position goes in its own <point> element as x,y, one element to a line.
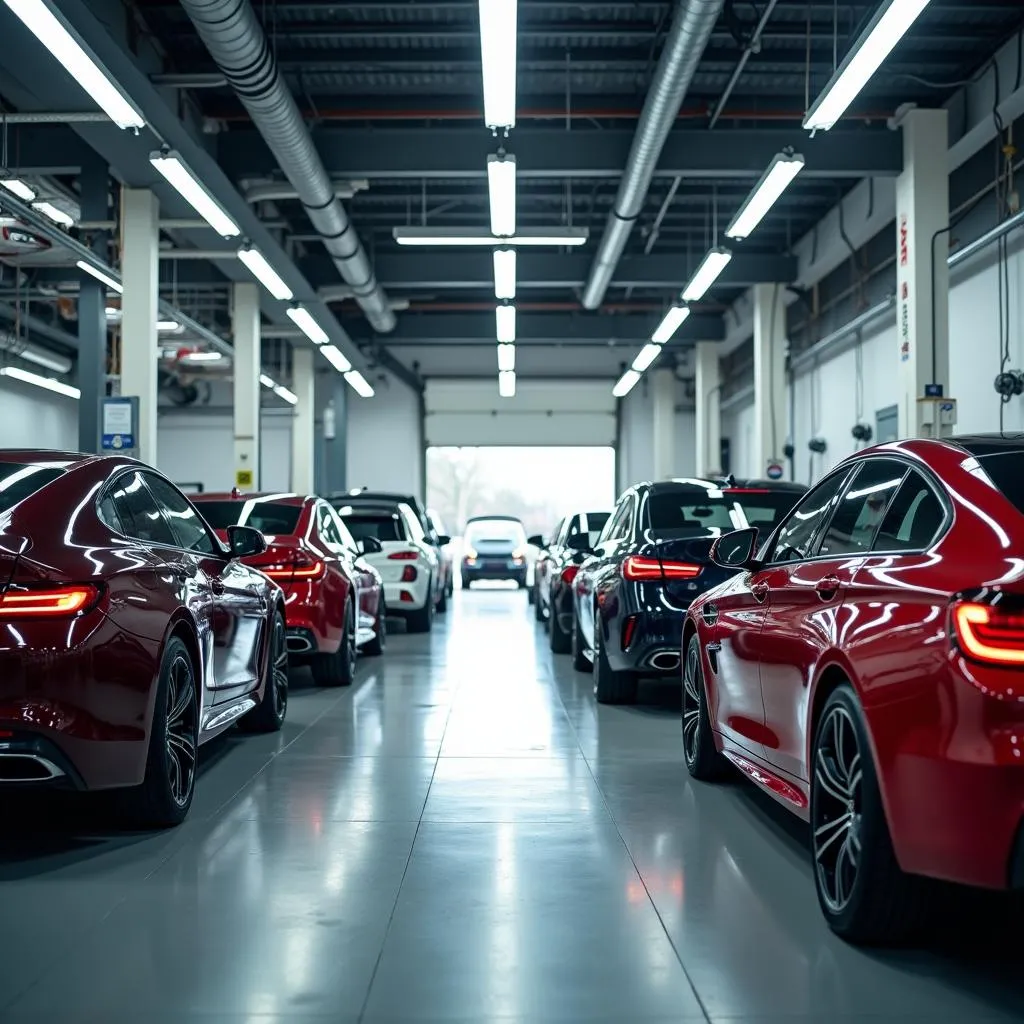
<point>243,478</point>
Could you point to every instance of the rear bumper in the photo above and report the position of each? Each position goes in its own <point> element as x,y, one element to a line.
<point>406,597</point>
<point>494,571</point>
<point>655,640</point>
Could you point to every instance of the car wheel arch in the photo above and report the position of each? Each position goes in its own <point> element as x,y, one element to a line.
<point>184,629</point>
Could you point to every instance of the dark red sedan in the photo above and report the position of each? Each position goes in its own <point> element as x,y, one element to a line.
<point>334,601</point>
<point>866,668</point>
<point>129,633</point>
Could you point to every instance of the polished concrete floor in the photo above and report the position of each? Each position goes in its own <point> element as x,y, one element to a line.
<point>462,836</point>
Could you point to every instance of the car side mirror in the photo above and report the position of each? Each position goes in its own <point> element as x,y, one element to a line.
<point>443,540</point>
<point>736,550</point>
<point>369,546</point>
<point>536,541</point>
<point>578,542</point>
<point>244,541</point>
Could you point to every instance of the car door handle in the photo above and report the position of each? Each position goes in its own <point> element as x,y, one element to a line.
<point>759,591</point>
<point>826,588</point>
<point>217,586</point>
<point>183,571</point>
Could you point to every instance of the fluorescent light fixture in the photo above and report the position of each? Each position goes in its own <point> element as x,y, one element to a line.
<point>57,215</point>
<point>173,168</point>
<point>303,319</point>
<point>41,22</point>
<point>18,188</point>
<point>505,322</point>
<point>504,273</point>
<point>204,357</point>
<point>507,384</point>
<point>647,355</point>
<point>506,358</point>
<point>112,313</point>
<point>265,274</point>
<point>50,360</point>
<point>40,382</point>
<point>625,383</point>
<point>707,273</point>
<point>885,30</point>
<point>498,24</point>
<point>459,236</point>
<point>169,327</point>
<point>501,187</point>
<point>359,384</point>
<point>268,382</point>
<point>289,396</point>
<point>334,356</point>
<point>670,323</point>
<point>781,172</point>
<point>101,275</point>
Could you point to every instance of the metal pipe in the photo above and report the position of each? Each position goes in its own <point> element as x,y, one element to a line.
<point>753,46</point>
<point>272,191</point>
<point>45,117</point>
<point>198,254</point>
<point>692,24</point>
<point>740,397</point>
<point>812,355</point>
<point>189,80</point>
<point>232,33</point>
<point>1016,221</point>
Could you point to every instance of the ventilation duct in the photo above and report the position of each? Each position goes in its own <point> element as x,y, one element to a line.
<point>232,33</point>
<point>687,39</point>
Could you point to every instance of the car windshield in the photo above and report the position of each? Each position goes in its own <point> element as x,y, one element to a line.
<point>589,524</point>
<point>383,526</point>
<point>694,510</point>
<point>762,507</point>
<point>267,517</point>
<point>18,481</point>
<point>495,531</point>
<point>1005,470</point>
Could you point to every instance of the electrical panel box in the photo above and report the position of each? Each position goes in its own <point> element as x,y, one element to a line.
<point>936,417</point>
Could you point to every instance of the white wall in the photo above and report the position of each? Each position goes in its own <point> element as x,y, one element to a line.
<point>384,442</point>
<point>31,417</point>
<point>636,443</point>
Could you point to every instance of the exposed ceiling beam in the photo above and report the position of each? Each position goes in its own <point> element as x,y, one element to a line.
<point>550,152</point>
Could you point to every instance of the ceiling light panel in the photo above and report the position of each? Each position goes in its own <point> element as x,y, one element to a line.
<point>707,273</point>
<point>498,27</point>
<point>265,273</point>
<point>504,273</point>
<point>506,358</point>
<point>192,190</point>
<point>648,354</point>
<point>18,188</point>
<point>101,275</point>
<point>304,320</point>
<point>625,383</point>
<point>359,384</point>
<point>505,323</point>
<point>27,377</point>
<point>334,356</point>
<point>456,236</point>
<point>501,187</point>
<point>670,323</point>
<point>765,195</point>
<point>507,384</point>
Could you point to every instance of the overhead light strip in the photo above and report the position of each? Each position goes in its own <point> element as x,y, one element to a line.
<point>267,276</point>
<point>626,383</point>
<point>501,187</point>
<point>671,322</point>
<point>707,273</point>
<point>507,384</point>
<point>779,176</point>
<point>504,273</point>
<point>18,188</point>
<point>192,190</point>
<point>442,236</point>
<point>498,28</point>
<point>282,392</point>
<point>101,275</point>
<point>334,356</point>
<point>359,384</point>
<point>304,320</point>
<point>506,357</point>
<point>505,323</point>
<point>27,377</point>
<point>55,213</point>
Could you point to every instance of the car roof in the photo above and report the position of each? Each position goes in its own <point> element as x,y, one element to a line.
<point>765,485</point>
<point>367,508</point>
<point>364,494</point>
<point>981,445</point>
<point>492,519</point>
<point>278,499</point>
<point>47,456</point>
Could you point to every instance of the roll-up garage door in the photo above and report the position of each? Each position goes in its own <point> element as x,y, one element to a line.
<point>466,413</point>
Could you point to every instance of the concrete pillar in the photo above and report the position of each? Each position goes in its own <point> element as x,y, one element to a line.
<point>769,376</point>
<point>92,303</point>
<point>922,275</point>
<point>140,265</point>
<point>709,410</point>
<point>245,329</point>
<point>303,420</point>
<point>664,422</point>
<point>332,432</point>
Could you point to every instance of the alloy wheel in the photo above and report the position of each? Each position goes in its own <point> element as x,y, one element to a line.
<point>691,705</point>
<point>837,815</point>
<point>182,716</point>
<point>279,666</point>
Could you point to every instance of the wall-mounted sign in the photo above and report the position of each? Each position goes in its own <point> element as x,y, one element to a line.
<point>120,425</point>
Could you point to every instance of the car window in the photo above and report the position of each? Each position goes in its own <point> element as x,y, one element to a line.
<point>614,527</point>
<point>796,538</point>
<point>763,507</point>
<point>694,510</point>
<point>862,507</point>
<point>588,525</point>
<point>383,526</point>
<point>189,530</point>
<point>108,514</point>
<point>1006,470</point>
<point>18,480</point>
<point>138,511</point>
<point>413,526</point>
<point>913,519</point>
<point>269,517</point>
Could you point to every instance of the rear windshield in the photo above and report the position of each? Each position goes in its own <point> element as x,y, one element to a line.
<point>383,526</point>
<point>589,523</point>
<point>1005,469</point>
<point>763,508</point>
<point>694,511</point>
<point>18,481</point>
<point>267,517</point>
<point>500,531</point>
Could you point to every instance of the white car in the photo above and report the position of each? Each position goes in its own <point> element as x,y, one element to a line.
<point>407,562</point>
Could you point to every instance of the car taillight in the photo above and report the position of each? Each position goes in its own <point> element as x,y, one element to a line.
<point>409,574</point>
<point>986,633</point>
<point>628,630</point>
<point>300,569</point>
<point>569,574</point>
<point>403,556</point>
<point>48,603</point>
<point>637,567</point>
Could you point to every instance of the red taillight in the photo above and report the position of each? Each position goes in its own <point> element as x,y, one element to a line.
<point>409,574</point>
<point>989,634</point>
<point>569,574</point>
<point>638,568</point>
<point>628,629</point>
<point>403,556</point>
<point>303,569</point>
<point>53,602</point>
<point>405,597</point>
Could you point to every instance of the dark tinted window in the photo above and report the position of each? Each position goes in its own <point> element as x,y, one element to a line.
<point>763,508</point>
<point>189,530</point>
<point>18,481</point>
<point>589,525</point>
<point>913,519</point>
<point>615,528</point>
<point>692,510</point>
<point>862,508</point>
<point>138,511</point>
<point>1005,469</point>
<point>797,535</point>
<point>267,517</point>
<point>384,526</point>
<point>108,514</point>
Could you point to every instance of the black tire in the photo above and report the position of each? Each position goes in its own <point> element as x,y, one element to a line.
<point>375,647</point>
<point>703,761</point>
<point>865,896</point>
<point>421,620</point>
<point>163,799</point>
<point>442,604</point>
<point>538,608</point>
<point>531,595</point>
<point>580,661</point>
<point>339,668</point>
<point>560,641</point>
<point>610,687</point>
<point>269,714</point>
<point>465,583</point>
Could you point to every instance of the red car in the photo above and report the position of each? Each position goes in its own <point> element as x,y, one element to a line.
<point>334,601</point>
<point>129,634</point>
<point>866,668</point>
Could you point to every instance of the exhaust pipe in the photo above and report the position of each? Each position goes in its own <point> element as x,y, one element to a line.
<point>299,643</point>
<point>664,661</point>
<point>27,768</point>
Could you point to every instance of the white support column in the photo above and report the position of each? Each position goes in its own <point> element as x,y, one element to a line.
<point>140,265</point>
<point>245,328</point>
<point>709,410</point>
<point>922,274</point>
<point>769,376</point>
<point>303,421</point>
<point>664,422</point>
